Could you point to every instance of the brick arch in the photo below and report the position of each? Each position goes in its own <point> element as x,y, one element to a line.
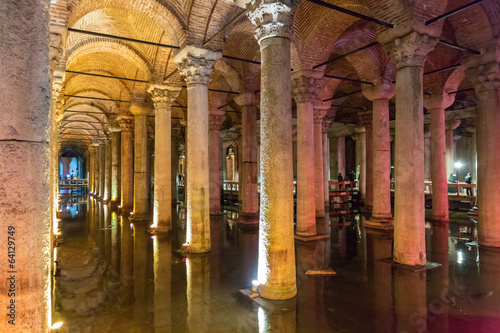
<point>121,83</point>
<point>165,15</point>
<point>85,118</point>
<point>103,106</point>
<point>455,79</point>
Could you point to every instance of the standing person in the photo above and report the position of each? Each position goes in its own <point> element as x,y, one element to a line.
<point>468,180</point>
<point>340,179</point>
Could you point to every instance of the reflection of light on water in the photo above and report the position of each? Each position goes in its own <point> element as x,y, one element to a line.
<point>460,257</point>
<point>261,317</point>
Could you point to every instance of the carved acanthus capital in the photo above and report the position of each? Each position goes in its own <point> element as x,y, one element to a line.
<point>56,87</point>
<point>163,96</point>
<point>196,64</point>
<point>319,115</point>
<point>215,121</point>
<point>126,123</point>
<point>485,77</point>
<point>305,84</point>
<point>411,50</point>
<point>272,18</point>
<point>327,122</point>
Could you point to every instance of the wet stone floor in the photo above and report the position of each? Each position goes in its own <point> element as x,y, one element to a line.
<point>116,277</point>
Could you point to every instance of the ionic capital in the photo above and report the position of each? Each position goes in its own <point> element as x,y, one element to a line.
<point>383,90</point>
<point>485,77</point>
<point>196,64</point>
<point>305,84</point>
<point>215,121</point>
<point>439,99</point>
<point>272,18</point>
<point>126,123</point>
<point>163,96</point>
<point>411,50</point>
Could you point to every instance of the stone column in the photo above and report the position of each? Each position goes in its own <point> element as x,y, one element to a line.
<point>436,104</point>
<point>276,268</point>
<point>115,164</point>
<point>472,130</point>
<point>248,176</point>
<point>381,217</point>
<point>214,125</point>
<point>486,79</point>
<point>361,157</point>
<point>91,168</point>
<point>340,158</point>
<point>409,53</point>
<point>450,144</point>
<point>102,167</point>
<point>141,181</point>
<point>127,163</point>
<point>24,165</point>
<point>427,152</point>
<point>107,172</point>
<point>304,85</point>
<point>319,115</point>
<point>197,65</point>
<point>163,97</point>
<point>367,122</point>
<point>326,160</point>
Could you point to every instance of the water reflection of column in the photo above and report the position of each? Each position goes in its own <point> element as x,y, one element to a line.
<point>440,284</point>
<point>248,246</point>
<point>126,261</point>
<point>488,300</point>
<point>162,254</point>
<point>142,258</point>
<point>380,247</point>
<point>410,300</point>
<point>100,229</point>
<point>115,246</point>
<point>198,292</point>
<point>277,321</point>
<point>216,222</point>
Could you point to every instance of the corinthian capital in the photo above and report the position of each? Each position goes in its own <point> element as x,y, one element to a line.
<point>196,64</point>
<point>305,85</point>
<point>272,18</point>
<point>163,96</point>
<point>215,121</point>
<point>126,123</point>
<point>411,50</point>
<point>485,77</point>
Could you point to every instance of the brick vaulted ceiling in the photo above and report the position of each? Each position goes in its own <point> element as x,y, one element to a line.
<point>320,34</point>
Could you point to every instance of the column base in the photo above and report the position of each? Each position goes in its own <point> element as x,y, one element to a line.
<point>440,221</point>
<point>188,249</point>
<point>379,225</point>
<point>160,230</point>
<point>141,217</point>
<point>307,238</point>
<point>248,221</point>
<point>114,204</point>
<point>412,268</point>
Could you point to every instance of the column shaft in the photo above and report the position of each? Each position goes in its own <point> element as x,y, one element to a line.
<point>127,171</point>
<point>102,169</point>
<point>318,166</point>
<point>115,166</point>
<point>326,163</point>
<point>369,167</point>
<point>215,123</point>
<point>107,187</point>
<point>141,182</point>
<point>440,208</point>
<point>163,169</point>
<point>249,160</point>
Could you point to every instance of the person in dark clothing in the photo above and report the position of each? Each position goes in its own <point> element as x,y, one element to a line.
<point>452,179</point>
<point>340,179</point>
<point>468,180</point>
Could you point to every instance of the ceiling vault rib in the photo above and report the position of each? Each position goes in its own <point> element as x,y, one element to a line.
<point>452,12</point>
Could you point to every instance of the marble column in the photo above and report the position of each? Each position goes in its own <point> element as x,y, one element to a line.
<point>115,164</point>
<point>450,144</point>
<point>340,158</point>
<point>248,107</point>
<point>326,160</point>
<point>215,122</point>
<point>472,130</point>
<point>276,268</point>
<point>91,169</point>
<point>409,53</point>
<point>127,163</point>
<point>436,104</point>
<point>141,155</point>
<point>107,172</point>
<point>197,65</point>
<point>381,218</point>
<point>486,79</point>
<point>163,97</point>
<point>427,152</point>
<point>360,138</point>
<point>304,86</point>
<point>319,115</point>
<point>24,165</point>
<point>103,141</point>
<point>367,123</point>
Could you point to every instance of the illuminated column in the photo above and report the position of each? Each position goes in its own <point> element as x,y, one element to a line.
<point>360,138</point>
<point>141,181</point>
<point>319,115</point>
<point>409,54</point>
<point>107,173</point>
<point>340,158</point>
<point>436,104</point>
<point>326,160</point>
<point>304,85</point>
<point>486,79</point>
<point>163,97</point>
<point>381,217</point>
<point>472,130</point>
<point>102,167</point>
<point>95,170</point>
<point>450,156</point>
<point>127,163</point>
<point>276,271</point>
<point>91,168</point>
<point>197,65</point>
<point>427,152</point>
<point>367,122</point>
<point>115,164</point>
<point>24,166</point>
<point>214,125</point>
<point>248,174</point>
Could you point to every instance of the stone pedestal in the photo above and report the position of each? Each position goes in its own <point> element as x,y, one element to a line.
<point>24,165</point>
<point>276,271</point>
<point>141,181</point>
<point>163,97</point>
<point>196,65</point>
<point>304,85</point>
<point>127,163</point>
<point>436,104</point>
<point>381,188</point>
<point>486,79</point>
<point>214,125</point>
<point>409,53</point>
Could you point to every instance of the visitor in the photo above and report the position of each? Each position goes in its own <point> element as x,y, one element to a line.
<point>340,179</point>
<point>452,179</point>
<point>468,180</point>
